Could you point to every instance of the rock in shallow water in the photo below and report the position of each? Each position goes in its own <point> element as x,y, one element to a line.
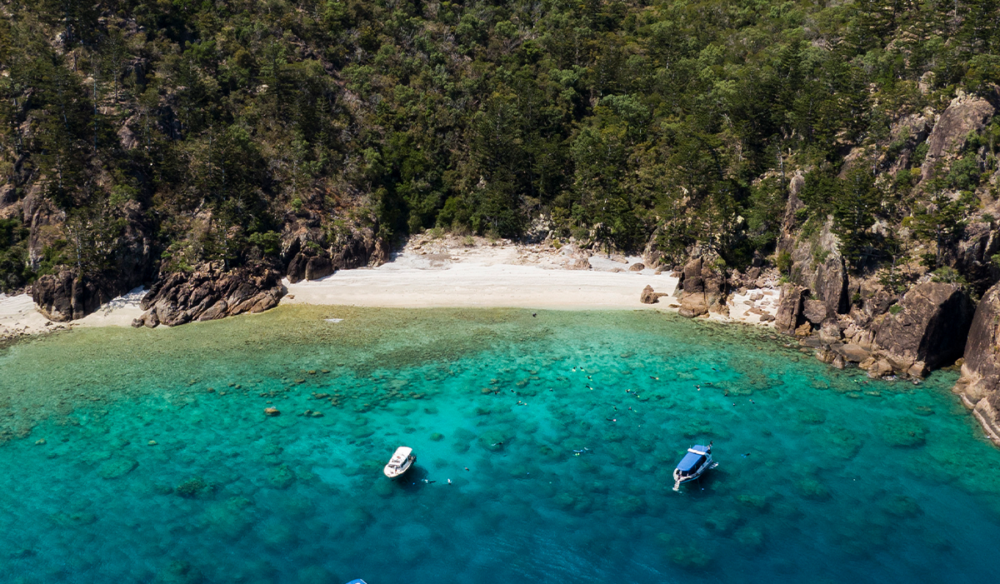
<point>282,477</point>
<point>116,468</point>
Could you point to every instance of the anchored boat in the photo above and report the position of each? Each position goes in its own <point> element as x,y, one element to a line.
<point>694,464</point>
<point>400,462</point>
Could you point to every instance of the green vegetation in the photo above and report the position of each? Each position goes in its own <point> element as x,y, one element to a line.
<point>621,121</point>
<point>14,271</point>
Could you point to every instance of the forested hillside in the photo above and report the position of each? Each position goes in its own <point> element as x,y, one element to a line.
<point>148,137</point>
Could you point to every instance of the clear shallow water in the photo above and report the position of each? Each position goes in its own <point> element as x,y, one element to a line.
<point>845,479</point>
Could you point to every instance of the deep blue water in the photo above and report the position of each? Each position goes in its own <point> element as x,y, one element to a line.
<point>145,456</point>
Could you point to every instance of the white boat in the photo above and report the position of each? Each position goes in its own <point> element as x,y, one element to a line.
<point>694,464</point>
<point>400,462</point>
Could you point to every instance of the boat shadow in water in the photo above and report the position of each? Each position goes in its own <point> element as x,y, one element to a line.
<point>415,479</point>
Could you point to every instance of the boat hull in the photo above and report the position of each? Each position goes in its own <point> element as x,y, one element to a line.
<point>697,474</point>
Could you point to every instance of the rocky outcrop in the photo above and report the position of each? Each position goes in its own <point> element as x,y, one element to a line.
<point>789,315</point>
<point>979,385</point>
<point>701,290</point>
<point>965,114</point>
<point>928,331</point>
<point>64,296</point>
<point>818,266</point>
<point>355,248</point>
<point>210,293</point>
<point>308,267</point>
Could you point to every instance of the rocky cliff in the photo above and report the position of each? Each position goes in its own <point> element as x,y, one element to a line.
<point>979,385</point>
<point>929,329</point>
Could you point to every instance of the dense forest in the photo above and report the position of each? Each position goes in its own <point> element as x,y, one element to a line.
<point>208,130</point>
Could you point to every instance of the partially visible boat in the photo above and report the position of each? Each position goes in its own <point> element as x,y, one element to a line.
<point>400,462</point>
<point>694,464</point>
<point>358,581</point>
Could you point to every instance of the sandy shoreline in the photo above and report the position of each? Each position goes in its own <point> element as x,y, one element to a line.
<point>448,272</point>
<point>465,285</point>
<point>18,317</point>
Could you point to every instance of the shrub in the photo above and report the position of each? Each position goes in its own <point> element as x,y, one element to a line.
<point>784,262</point>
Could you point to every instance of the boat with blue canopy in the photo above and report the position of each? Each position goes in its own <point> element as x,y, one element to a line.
<point>694,464</point>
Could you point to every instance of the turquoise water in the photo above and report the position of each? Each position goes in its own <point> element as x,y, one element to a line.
<point>845,480</point>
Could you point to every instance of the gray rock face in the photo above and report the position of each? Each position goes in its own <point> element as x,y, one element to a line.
<point>980,382</point>
<point>973,255</point>
<point>815,311</point>
<point>789,314</point>
<point>965,114</point>
<point>929,330</point>
<point>827,279</point>
<point>210,293</point>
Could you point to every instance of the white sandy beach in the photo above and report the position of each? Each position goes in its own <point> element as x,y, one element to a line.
<point>18,316</point>
<point>447,272</point>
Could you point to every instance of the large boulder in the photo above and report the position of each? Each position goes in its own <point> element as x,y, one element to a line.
<point>928,330</point>
<point>701,290</point>
<point>979,385</point>
<point>692,290</point>
<point>210,293</point>
<point>648,296</point>
<point>789,314</point>
<point>815,311</point>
